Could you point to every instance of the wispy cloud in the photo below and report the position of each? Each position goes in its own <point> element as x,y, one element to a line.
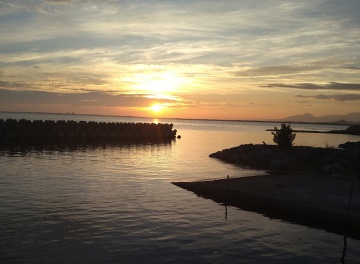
<point>278,70</point>
<point>353,68</point>
<point>312,86</point>
<point>335,97</point>
<point>93,98</point>
<point>220,52</point>
<point>59,1</point>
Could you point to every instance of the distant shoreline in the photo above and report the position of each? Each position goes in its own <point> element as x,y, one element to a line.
<point>352,130</point>
<point>198,119</point>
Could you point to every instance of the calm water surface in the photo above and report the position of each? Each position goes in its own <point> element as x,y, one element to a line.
<point>116,203</point>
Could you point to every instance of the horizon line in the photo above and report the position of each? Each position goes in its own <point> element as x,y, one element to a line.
<point>200,119</point>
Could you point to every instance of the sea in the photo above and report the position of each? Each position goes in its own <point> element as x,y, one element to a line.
<point>112,203</point>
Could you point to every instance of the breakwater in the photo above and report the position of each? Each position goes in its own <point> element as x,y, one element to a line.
<point>25,131</point>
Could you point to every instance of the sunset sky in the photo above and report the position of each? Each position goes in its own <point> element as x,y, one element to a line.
<point>180,58</point>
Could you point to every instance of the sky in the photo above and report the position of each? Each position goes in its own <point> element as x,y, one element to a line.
<point>214,59</point>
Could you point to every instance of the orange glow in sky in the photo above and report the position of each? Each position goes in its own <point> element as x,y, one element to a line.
<point>198,59</point>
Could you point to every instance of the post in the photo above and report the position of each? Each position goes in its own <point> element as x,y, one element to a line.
<point>226,196</point>
<point>348,215</point>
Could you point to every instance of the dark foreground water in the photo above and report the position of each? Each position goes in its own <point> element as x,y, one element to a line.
<point>116,203</point>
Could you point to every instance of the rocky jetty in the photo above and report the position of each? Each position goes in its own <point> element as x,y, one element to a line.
<point>25,131</point>
<point>351,130</point>
<point>293,159</point>
<point>350,146</point>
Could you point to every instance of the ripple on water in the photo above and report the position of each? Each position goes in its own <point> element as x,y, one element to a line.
<point>117,205</point>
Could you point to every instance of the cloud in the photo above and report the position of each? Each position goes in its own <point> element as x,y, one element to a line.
<point>59,1</point>
<point>335,97</point>
<point>5,84</point>
<point>279,67</point>
<point>59,82</point>
<point>94,98</point>
<point>353,68</point>
<point>275,70</point>
<point>91,47</point>
<point>312,86</point>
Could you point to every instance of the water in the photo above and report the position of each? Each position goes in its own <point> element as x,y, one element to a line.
<point>116,203</point>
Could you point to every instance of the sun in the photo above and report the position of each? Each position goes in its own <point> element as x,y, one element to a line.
<point>156,108</point>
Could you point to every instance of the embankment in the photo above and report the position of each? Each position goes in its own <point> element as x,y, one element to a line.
<point>310,186</point>
<point>311,200</point>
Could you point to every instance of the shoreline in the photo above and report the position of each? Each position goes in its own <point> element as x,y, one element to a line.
<point>351,130</point>
<point>295,159</point>
<point>308,199</point>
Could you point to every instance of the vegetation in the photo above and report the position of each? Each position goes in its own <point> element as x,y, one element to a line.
<point>327,145</point>
<point>284,136</point>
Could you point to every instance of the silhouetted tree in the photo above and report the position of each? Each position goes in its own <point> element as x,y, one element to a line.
<point>284,136</point>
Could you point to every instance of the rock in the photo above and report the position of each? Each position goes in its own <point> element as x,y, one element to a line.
<point>50,132</point>
<point>353,130</point>
<point>275,162</point>
<point>338,169</point>
<point>296,158</point>
<point>288,162</point>
<point>265,152</point>
<point>327,159</point>
<point>326,169</point>
<point>350,145</point>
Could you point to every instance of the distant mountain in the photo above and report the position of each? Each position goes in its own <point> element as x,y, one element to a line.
<point>349,118</point>
<point>300,118</point>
